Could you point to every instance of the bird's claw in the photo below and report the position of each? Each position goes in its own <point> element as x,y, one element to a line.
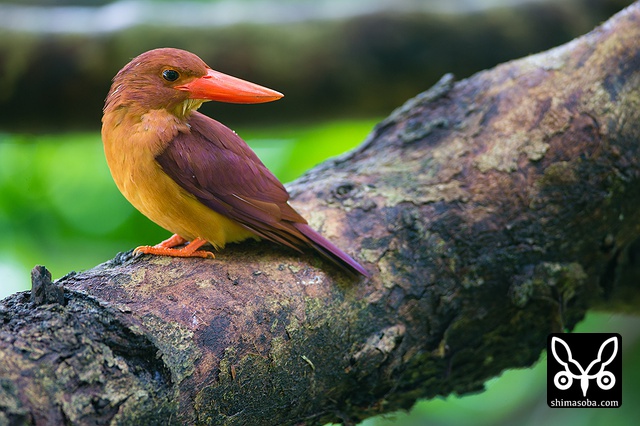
<point>166,251</point>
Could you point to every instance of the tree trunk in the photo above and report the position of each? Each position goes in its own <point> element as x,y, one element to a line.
<point>489,212</point>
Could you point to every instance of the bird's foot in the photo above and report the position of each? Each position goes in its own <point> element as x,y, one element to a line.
<point>165,248</point>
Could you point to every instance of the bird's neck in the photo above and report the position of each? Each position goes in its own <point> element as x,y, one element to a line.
<point>185,108</point>
<point>132,141</point>
<point>181,110</point>
<point>151,130</point>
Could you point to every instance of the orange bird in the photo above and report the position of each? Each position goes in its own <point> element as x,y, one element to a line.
<point>189,173</point>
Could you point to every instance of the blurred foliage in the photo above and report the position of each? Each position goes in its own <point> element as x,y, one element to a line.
<point>355,67</point>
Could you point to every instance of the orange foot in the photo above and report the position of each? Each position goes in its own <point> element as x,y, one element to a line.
<point>165,248</point>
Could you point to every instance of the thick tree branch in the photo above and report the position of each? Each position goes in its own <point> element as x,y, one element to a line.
<point>490,212</point>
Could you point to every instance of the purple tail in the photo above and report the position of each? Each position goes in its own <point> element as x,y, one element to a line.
<point>330,251</point>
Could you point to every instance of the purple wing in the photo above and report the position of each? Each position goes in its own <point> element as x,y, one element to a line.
<point>213,163</point>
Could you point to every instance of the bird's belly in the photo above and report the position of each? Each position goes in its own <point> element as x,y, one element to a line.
<point>162,200</point>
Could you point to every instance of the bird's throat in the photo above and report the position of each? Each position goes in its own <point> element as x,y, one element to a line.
<point>186,107</point>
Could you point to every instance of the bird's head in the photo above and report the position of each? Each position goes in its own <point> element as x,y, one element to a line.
<point>179,81</point>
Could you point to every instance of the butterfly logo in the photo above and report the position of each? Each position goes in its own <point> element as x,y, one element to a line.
<point>595,370</point>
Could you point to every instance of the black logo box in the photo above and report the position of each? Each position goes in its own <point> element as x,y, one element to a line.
<point>584,370</point>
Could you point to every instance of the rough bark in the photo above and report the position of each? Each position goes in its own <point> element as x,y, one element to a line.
<point>490,212</point>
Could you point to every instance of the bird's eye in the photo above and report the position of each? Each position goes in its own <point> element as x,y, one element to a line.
<point>170,75</point>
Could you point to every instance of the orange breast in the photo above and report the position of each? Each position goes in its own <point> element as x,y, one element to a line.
<point>131,144</point>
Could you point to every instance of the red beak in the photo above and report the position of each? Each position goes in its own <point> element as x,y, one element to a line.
<point>216,86</point>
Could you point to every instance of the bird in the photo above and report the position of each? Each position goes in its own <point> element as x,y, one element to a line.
<point>189,173</point>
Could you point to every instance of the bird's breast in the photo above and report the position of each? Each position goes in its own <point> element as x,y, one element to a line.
<point>131,146</point>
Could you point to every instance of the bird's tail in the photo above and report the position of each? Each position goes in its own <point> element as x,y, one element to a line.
<point>330,251</point>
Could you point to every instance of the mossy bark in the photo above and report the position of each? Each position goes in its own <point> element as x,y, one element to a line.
<point>490,212</point>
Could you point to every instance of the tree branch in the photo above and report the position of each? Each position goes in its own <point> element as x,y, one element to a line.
<point>490,212</point>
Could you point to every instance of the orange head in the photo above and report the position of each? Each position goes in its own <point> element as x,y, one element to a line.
<point>179,81</point>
